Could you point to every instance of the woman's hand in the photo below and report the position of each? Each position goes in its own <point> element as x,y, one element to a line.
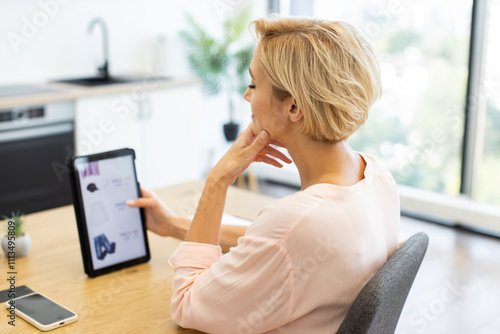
<point>160,219</point>
<point>245,150</point>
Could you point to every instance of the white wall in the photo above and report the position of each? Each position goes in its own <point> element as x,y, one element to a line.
<point>61,47</point>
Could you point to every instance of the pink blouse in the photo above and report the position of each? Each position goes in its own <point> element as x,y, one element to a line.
<point>299,266</point>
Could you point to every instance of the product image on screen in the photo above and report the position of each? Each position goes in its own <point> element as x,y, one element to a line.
<point>115,232</point>
<point>42,310</point>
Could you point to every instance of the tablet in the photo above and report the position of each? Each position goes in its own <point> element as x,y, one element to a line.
<point>112,234</point>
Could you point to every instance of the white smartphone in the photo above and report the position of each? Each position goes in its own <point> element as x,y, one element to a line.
<point>40,311</point>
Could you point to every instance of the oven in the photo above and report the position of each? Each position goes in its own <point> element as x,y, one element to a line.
<point>35,142</point>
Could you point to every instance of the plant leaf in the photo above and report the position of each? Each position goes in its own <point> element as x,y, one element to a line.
<point>243,58</point>
<point>212,59</point>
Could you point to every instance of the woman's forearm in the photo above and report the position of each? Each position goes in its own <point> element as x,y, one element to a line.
<point>205,227</point>
<point>229,234</point>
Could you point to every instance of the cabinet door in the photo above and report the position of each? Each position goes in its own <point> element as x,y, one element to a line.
<point>107,123</point>
<point>171,136</point>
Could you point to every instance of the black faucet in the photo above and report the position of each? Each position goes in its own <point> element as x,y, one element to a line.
<point>102,70</point>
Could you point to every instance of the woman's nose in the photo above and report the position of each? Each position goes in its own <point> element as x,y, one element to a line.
<point>247,95</point>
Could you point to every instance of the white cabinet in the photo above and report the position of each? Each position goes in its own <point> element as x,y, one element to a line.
<point>106,122</point>
<point>162,126</point>
<point>173,128</point>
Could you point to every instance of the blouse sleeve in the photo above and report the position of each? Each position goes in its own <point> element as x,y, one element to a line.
<point>249,289</point>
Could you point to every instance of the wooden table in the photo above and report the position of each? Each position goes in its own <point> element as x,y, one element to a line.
<point>133,300</point>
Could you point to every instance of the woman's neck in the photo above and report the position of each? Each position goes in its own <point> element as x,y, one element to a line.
<point>320,162</point>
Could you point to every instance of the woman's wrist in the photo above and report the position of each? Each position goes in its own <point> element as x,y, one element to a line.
<point>180,227</point>
<point>219,178</point>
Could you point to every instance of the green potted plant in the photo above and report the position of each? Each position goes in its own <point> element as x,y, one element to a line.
<point>15,241</point>
<point>222,63</point>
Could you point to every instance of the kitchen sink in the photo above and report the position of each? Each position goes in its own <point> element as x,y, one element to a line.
<point>100,81</point>
<point>103,76</point>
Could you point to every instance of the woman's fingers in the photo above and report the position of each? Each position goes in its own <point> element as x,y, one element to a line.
<point>269,150</point>
<point>249,148</point>
<point>276,142</point>
<point>268,160</point>
<point>147,193</point>
<point>142,202</point>
<point>274,153</point>
<point>269,155</point>
<point>148,200</point>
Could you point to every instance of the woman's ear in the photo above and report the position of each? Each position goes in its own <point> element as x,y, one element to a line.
<point>294,112</point>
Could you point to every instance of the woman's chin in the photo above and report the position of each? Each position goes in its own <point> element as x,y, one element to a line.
<point>255,129</point>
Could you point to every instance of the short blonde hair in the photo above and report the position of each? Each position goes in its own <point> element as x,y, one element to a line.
<point>328,67</point>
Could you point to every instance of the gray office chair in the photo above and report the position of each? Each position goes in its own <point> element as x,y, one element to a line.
<point>378,306</point>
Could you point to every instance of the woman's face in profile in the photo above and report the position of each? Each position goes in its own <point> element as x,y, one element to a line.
<point>264,106</point>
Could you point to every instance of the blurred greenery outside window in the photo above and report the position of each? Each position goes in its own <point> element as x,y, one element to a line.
<point>416,129</point>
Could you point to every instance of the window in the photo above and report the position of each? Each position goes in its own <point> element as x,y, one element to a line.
<point>422,46</point>
<point>437,126</point>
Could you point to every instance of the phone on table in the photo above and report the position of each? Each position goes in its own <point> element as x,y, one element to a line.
<point>42,312</point>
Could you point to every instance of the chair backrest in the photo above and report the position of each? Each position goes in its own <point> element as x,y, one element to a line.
<point>378,306</point>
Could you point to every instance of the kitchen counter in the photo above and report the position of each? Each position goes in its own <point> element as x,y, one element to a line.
<point>143,115</point>
<point>65,91</point>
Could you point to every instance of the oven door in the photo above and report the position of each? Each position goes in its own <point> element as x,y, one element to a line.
<point>32,168</point>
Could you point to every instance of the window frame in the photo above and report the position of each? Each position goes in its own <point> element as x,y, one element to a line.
<point>471,154</point>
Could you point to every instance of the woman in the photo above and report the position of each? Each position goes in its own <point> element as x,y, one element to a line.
<point>299,266</point>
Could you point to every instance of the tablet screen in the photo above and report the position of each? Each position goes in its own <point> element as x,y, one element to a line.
<point>115,231</point>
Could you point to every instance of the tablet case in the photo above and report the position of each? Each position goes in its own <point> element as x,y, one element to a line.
<point>101,242</point>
